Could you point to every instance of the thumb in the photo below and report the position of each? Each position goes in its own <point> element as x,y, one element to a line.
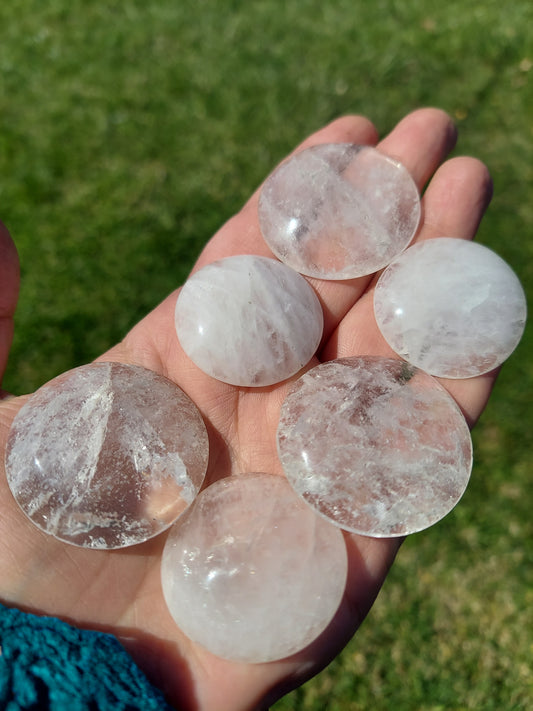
<point>9,406</point>
<point>9,289</point>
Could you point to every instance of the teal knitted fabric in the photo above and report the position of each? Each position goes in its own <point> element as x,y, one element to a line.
<point>48,665</point>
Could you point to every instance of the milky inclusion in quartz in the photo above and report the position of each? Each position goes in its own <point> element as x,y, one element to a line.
<point>375,445</point>
<point>250,572</point>
<point>106,455</point>
<point>453,308</point>
<point>248,320</point>
<point>337,211</point>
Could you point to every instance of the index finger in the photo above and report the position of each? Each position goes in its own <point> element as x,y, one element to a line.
<point>241,234</point>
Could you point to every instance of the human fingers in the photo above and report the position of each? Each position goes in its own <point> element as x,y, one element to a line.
<point>151,342</point>
<point>9,288</point>
<point>454,205</point>
<point>241,234</point>
<point>420,142</point>
<point>456,199</point>
<point>455,202</point>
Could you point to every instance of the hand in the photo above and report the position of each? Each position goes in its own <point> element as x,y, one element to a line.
<point>119,591</point>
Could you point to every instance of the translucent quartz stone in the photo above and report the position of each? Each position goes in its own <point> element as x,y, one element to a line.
<point>453,308</point>
<point>337,211</point>
<point>106,455</point>
<point>374,445</point>
<point>250,572</point>
<point>248,320</point>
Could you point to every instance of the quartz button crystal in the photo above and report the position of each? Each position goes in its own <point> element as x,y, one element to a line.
<point>451,307</point>
<point>338,211</point>
<point>106,455</point>
<point>250,572</point>
<point>375,445</point>
<point>248,320</point>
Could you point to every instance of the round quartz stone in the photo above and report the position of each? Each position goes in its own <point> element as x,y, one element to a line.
<point>248,320</point>
<point>250,572</point>
<point>375,445</point>
<point>453,308</point>
<point>338,211</point>
<point>106,455</point>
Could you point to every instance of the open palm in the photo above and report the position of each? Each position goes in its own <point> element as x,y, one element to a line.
<point>119,591</point>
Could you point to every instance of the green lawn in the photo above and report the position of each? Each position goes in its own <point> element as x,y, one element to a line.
<point>129,131</point>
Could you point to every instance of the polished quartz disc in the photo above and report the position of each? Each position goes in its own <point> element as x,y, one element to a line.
<point>375,445</point>
<point>248,320</point>
<point>451,307</point>
<point>106,455</point>
<point>338,211</point>
<point>250,572</point>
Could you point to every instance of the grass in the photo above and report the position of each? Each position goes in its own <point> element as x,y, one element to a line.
<point>130,131</point>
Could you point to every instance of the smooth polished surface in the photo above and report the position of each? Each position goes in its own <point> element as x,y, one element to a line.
<point>375,445</point>
<point>248,320</point>
<point>106,455</point>
<point>453,308</point>
<point>338,211</point>
<point>250,572</point>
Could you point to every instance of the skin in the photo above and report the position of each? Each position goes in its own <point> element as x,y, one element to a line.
<point>119,591</point>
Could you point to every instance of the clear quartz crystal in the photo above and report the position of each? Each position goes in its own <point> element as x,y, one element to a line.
<point>375,445</point>
<point>250,572</point>
<point>338,211</point>
<point>248,320</point>
<point>451,307</point>
<point>106,455</point>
